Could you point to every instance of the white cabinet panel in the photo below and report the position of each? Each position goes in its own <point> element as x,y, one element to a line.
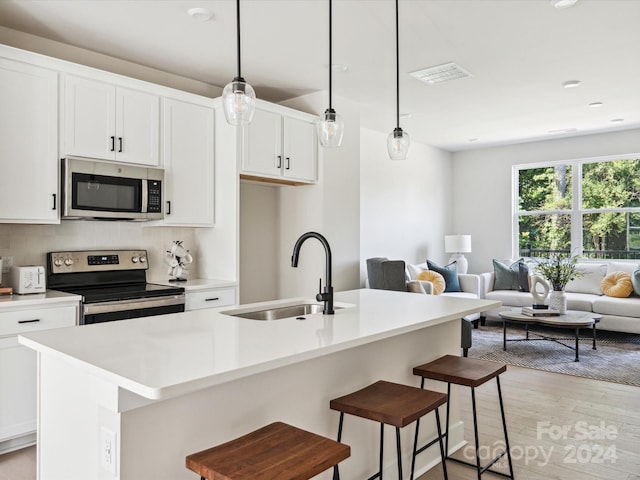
<point>18,366</point>
<point>188,136</point>
<point>110,123</point>
<point>218,297</point>
<point>279,147</point>
<point>28,135</point>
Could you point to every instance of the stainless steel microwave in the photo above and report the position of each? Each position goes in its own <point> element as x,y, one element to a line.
<point>93,189</point>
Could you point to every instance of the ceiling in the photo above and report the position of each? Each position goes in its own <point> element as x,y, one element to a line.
<point>519,53</point>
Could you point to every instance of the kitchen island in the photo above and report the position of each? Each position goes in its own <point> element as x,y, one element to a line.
<point>130,399</point>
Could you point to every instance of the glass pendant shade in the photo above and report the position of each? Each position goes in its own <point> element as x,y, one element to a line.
<point>398,144</point>
<point>239,102</point>
<point>330,129</point>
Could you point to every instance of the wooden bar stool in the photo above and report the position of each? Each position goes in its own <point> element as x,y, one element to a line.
<point>391,404</point>
<point>472,373</point>
<point>277,451</point>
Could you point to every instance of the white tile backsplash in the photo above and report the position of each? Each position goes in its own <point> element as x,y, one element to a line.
<point>29,244</point>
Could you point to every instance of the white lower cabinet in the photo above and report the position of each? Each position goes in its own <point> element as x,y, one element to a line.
<point>18,370</point>
<point>211,298</point>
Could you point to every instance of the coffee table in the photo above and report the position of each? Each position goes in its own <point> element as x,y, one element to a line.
<point>574,320</point>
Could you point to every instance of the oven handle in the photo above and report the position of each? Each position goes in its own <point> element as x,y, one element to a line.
<point>124,305</point>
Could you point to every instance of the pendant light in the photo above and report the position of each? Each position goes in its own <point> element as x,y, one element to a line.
<point>331,127</point>
<point>238,97</point>
<point>398,140</point>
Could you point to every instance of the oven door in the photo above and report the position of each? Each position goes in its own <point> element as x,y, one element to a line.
<point>127,309</point>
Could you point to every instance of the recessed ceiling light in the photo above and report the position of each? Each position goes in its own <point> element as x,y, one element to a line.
<point>596,104</point>
<point>200,14</point>
<point>338,68</point>
<point>571,83</point>
<point>405,115</point>
<point>559,4</point>
<point>617,120</point>
<point>472,140</point>
<point>440,73</point>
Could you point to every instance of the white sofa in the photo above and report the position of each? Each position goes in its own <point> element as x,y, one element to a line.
<point>585,294</point>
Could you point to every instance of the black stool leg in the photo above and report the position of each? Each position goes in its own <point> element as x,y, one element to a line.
<point>336,472</point>
<point>381,452</point>
<point>442,455</point>
<point>415,448</point>
<point>504,426</point>
<point>475,431</point>
<point>399,450</point>
<point>446,449</point>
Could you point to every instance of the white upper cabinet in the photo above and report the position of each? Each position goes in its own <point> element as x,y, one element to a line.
<point>188,155</point>
<point>110,123</point>
<point>279,147</point>
<point>29,139</point>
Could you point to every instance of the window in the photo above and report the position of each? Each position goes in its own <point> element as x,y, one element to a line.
<point>589,207</point>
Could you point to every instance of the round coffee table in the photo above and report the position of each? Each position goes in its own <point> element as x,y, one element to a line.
<point>574,320</point>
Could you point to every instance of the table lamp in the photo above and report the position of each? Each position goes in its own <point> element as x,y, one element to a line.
<point>458,245</point>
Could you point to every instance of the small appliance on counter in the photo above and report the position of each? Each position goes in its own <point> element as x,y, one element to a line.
<point>28,279</point>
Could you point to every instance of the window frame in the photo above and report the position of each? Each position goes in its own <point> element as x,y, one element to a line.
<point>576,212</point>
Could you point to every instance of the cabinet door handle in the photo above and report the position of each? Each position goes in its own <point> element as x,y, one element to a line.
<point>35,320</point>
<point>168,207</point>
<point>113,144</point>
<point>279,164</point>
<point>213,299</point>
<point>119,144</point>
<point>288,164</point>
<point>54,201</point>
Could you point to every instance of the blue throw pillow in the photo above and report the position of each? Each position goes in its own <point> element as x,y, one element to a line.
<point>449,273</point>
<point>506,276</point>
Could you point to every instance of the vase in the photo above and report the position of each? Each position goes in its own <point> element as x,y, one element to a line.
<point>558,301</point>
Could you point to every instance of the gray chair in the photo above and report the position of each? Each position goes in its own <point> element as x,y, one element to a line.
<point>385,274</point>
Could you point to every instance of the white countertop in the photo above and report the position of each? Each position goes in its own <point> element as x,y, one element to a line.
<point>196,284</point>
<point>169,355</point>
<point>49,298</point>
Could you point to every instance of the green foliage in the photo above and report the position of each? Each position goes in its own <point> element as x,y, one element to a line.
<point>559,270</point>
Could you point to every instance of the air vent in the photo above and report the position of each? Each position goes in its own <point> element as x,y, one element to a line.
<point>440,73</point>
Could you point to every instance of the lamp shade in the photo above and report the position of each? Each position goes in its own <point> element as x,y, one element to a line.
<point>457,243</point>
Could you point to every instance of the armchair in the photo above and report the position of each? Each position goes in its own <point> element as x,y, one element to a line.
<point>385,274</point>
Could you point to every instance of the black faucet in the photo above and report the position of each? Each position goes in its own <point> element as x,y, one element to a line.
<point>327,295</point>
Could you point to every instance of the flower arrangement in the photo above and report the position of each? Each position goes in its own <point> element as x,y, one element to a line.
<point>559,270</point>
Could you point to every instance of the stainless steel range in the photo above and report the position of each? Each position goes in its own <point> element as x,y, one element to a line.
<point>112,284</point>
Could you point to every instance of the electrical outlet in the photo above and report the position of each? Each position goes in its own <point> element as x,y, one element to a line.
<point>108,450</point>
<point>7,263</point>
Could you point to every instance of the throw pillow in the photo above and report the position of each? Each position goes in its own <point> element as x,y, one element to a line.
<point>435,278</point>
<point>617,284</point>
<point>523,277</point>
<point>635,280</point>
<point>414,270</point>
<point>592,275</point>
<point>506,276</point>
<point>449,273</point>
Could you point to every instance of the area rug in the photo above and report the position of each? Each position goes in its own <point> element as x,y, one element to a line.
<point>617,358</point>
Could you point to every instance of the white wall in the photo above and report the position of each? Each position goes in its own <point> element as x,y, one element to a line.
<point>259,240</point>
<point>483,195</point>
<point>405,205</point>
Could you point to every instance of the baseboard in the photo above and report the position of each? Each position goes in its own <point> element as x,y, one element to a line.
<point>17,443</point>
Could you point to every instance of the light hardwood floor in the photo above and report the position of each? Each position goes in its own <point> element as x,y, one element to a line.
<point>539,405</point>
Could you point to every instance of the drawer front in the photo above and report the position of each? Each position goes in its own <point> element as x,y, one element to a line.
<point>23,321</point>
<point>210,298</point>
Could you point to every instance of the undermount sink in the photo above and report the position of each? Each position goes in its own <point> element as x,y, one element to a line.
<point>276,313</point>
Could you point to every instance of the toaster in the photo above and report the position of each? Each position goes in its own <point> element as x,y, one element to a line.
<point>28,279</point>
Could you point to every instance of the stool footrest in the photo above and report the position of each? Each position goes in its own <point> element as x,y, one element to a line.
<point>487,467</point>
<point>424,447</point>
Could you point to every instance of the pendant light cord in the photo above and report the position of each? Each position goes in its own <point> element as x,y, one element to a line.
<point>238,32</point>
<point>330,51</point>
<point>397,71</point>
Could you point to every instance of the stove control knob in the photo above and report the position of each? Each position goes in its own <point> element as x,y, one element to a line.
<point>134,259</point>
<point>68,262</point>
<point>143,259</point>
<point>57,262</point>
